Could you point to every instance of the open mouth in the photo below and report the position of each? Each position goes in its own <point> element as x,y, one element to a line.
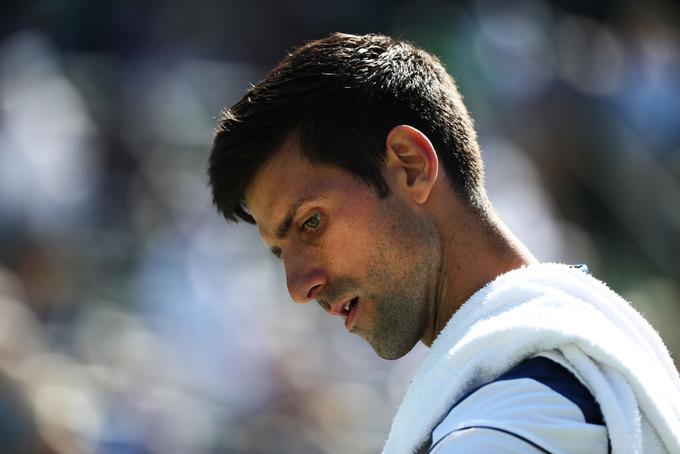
<point>349,310</point>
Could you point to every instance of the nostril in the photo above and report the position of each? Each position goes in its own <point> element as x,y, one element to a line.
<point>305,286</point>
<point>313,292</point>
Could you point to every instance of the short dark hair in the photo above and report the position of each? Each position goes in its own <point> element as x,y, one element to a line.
<point>340,96</point>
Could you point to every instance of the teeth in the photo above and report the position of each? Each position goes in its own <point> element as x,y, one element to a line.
<point>347,305</point>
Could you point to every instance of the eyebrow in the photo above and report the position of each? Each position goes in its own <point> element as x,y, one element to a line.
<point>284,226</point>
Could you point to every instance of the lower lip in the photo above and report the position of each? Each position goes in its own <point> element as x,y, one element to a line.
<point>350,317</point>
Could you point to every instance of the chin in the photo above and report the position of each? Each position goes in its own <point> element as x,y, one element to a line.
<point>392,352</point>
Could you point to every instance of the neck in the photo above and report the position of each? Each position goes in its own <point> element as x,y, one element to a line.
<point>474,252</point>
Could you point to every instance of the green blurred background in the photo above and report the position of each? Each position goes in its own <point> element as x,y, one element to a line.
<point>134,320</point>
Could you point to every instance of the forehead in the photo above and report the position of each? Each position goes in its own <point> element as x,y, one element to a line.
<point>286,178</point>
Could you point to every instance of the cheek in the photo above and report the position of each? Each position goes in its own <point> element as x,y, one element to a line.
<point>349,245</point>
<point>368,234</point>
<point>345,250</point>
<point>405,242</point>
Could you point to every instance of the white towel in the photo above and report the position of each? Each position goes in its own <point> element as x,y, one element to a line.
<point>610,347</point>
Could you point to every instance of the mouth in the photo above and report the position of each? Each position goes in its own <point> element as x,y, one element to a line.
<point>349,311</point>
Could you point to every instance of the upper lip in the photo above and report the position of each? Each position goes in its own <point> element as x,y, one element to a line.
<point>338,307</point>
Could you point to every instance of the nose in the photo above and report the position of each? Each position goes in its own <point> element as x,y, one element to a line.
<point>304,278</point>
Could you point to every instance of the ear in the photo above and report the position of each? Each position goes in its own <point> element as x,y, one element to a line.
<point>411,162</point>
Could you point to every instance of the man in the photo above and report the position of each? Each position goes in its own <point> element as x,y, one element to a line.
<point>358,162</point>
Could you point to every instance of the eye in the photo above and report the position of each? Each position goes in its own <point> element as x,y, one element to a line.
<point>312,223</point>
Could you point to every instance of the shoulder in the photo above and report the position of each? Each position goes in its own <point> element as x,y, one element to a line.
<point>538,404</point>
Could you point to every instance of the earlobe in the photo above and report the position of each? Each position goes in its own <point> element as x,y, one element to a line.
<point>411,161</point>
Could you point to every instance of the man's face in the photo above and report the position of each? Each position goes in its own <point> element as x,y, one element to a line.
<point>345,247</point>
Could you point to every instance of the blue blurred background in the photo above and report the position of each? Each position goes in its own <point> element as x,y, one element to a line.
<point>134,320</point>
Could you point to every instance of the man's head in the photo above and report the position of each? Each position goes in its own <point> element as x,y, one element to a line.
<point>335,155</point>
<point>340,96</point>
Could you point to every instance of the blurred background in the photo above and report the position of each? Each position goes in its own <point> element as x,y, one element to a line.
<point>133,319</point>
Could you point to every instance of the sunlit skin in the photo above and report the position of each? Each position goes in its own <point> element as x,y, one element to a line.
<point>411,258</point>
